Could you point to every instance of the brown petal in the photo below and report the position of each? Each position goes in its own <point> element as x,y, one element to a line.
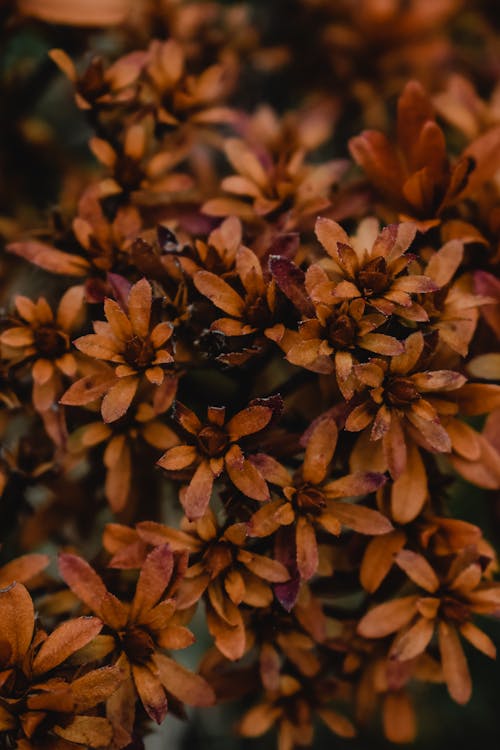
<point>90,731</point>
<point>329,233</point>
<point>445,262</point>
<point>67,638</point>
<point>248,421</point>
<point>258,720</point>
<point>18,621</point>
<point>320,448</point>
<point>438,380</point>
<point>360,519</point>
<point>376,155</point>
<point>478,639</point>
<point>196,498</point>
<point>244,475</point>
<point>414,641</point>
<point>337,723</point>
<point>388,617</point>
<point>409,491</point>
<point>478,398</point>
<point>23,569</point>
<point>399,719</point>
<point>88,389</point>
<point>187,687</point>
<point>219,293</point>
<point>118,399</point>
<point>139,307</point>
<point>379,558</point>
<point>49,258</point>
<point>245,161</point>
<point>151,692</point>
<point>418,570</point>
<point>269,518</point>
<point>455,669</point>
<point>89,587</point>
<point>119,322</point>
<point>153,580</point>
<point>307,549</point>
<point>178,457</point>
<point>381,344</point>
<point>96,686</point>
<point>264,567</point>
<point>352,485</point>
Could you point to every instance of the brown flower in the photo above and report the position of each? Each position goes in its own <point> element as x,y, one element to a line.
<point>373,266</point>
<point>142,629</point>
<point>287,187</point>
<point>38,704</point>
<point>42,340</point>
<point>139,351</point>
<point>213,448</point>
<point>224,569</point>
<point>451,600</point>
<point>292,707</point>
<point>332,330</point>
<point>415,176</point>
<point>100,86</point>
<point>311,503</point>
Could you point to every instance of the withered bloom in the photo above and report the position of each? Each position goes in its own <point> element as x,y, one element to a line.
<point>213,448</point>
<point>38,704</point>
<point>142,630</point>
<point>414,175</point>
<point>139,350</point>
<point>42,340</point>
<point>312,502</point>
<point>448,605</point>
<point>225,569</point>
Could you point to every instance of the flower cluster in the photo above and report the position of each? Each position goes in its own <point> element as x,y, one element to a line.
<point>245,367</point>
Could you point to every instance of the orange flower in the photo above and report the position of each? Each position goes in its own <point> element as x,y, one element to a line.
<point>292,707</point>
<point>42,340</point>
<point>214,447</point>
<point>98,86</point>
<point>139,351</point>
<point>224,569</point>
<point>447,606</point>
<point>180,97</point>
<point>331,329</point>
<point>39,704</point>
<point>311,503</point>
<point>287,187</point>
<point>371,265</point>
<point>141,630</point>
<point>415,176</point>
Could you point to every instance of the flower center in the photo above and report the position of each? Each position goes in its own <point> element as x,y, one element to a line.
<point>257,313</point>
<point>374,279</point>
<point>401,392</point>
<point>341,332</point>
<point>455,610</point>
<point>128,173</point>
<point>212,440</point>
<point>310,498</point>
<point>137,644</point>
<point>139,353</point>
<point>218,557</point>
<point>50,342</point>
